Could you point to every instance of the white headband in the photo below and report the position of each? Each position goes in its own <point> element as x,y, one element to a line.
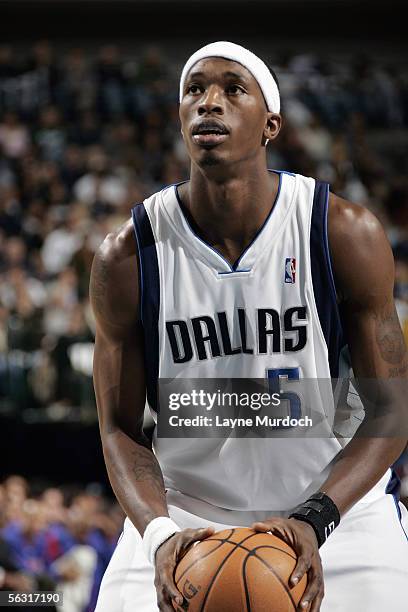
<point>246,58</point>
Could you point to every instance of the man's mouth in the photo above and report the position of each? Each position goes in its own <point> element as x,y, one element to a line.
<point>209,133</point>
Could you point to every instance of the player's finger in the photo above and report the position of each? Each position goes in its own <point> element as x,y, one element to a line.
<point>185,540</point>
<point>163,601</point>
<point>264,526</point>
<point>313,588</point>
<point>170,590</point>
<point>317,602</point>
<point>204,532</point>
<point>174,593</point>
<point>278,529</point>
<point>301,567</point>
<point>187,537</point>
<point>195,535</point>
<point>164,606</point>
<point>319,597</point>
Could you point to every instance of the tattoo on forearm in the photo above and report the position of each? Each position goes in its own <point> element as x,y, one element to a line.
<point>390,339</point>
<point>145,468</point>
<point>399,372</point>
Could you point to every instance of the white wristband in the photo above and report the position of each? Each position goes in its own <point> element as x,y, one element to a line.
<point>157,531</point>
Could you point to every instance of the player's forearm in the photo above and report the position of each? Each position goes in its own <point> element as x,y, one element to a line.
<point>359,467</point>
<point>136,478</point>
<point>380,364</point>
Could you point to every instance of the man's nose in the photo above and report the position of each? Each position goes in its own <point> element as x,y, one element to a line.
<point>211,101</point>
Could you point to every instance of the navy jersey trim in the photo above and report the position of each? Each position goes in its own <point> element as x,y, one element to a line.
<point>322,278</point>
<point>234,267</point>
<point>394,489</point>
<point>149,299</point>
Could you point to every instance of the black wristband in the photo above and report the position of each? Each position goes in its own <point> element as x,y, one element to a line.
<point>321,513</point>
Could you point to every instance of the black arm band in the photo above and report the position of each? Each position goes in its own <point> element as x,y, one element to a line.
<point>321,513</point>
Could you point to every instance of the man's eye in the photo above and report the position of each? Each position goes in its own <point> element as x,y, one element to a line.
<point>194,89</point>
<point>235,89</point>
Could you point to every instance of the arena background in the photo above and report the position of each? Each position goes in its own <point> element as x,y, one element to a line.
<point>88,127</point>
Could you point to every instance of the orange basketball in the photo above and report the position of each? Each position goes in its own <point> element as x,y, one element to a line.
<point>238,570</point>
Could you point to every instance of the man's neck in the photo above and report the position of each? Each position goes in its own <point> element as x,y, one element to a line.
<point>228,213</point>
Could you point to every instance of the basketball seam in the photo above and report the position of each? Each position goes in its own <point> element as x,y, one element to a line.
<point>253,553</point>
<point>285,552</point>
<point>247,599</point>
<point>206,554</point>
<point>237,546</point>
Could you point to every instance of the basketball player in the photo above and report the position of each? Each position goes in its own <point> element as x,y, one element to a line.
<point>241,272</point>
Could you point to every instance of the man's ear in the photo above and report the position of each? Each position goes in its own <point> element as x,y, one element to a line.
<point>272,127</point>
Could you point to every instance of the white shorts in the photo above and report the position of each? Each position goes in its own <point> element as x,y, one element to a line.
<point>365,560</point>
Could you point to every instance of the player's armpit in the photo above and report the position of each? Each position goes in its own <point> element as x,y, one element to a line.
<point>119,380</point>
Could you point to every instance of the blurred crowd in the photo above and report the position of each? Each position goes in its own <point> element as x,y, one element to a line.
<point>56,539</point>
<point>85,134</point>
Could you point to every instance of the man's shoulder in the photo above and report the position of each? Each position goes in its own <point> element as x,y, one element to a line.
<point>360,251</point>
<point>349,222</point>
<point>114,283</point>
<point>118,245</point>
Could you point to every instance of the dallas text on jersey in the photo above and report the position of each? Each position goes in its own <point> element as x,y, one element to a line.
<point>274,333</point>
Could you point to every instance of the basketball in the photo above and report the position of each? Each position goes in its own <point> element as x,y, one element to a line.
<point>238,570</point>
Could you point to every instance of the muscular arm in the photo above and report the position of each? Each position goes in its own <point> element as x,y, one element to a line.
<point>119,380</point>
<point>364,271</point>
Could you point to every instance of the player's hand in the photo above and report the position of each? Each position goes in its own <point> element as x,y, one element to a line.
<point>167,557</point>
<point>301,537</point>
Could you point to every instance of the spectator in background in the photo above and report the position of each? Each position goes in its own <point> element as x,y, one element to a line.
<point>42,60</point>
<point>75,568</point>
<point>47,543</point>
<point>14,136</point>
<point>78,87</point>
<point>100,188</point>
<point>111,82</point>
<point>25,537</point>
<point>14,253</point>
<point>11,579</point>
<point>8,66</point>
<point>10,211</point>
<point>72,167</point>
<point>23,296</point>
<point>62,301</point>
<point>151,85</point>
<point>3,343</point>
<point>87,131</point>
<point>62,242</point>
<point>50,137</point>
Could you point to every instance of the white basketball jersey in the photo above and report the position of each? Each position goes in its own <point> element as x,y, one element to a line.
<point>274,311</point>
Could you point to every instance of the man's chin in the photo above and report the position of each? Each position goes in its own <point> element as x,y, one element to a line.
<point>211,157</point>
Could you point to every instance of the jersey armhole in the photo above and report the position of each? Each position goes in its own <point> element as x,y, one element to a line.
<point>324,288</point>
<point>149,298</point>
<point>327,248</point>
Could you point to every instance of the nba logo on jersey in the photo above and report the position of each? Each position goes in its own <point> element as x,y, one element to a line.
<point>290,270</point>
